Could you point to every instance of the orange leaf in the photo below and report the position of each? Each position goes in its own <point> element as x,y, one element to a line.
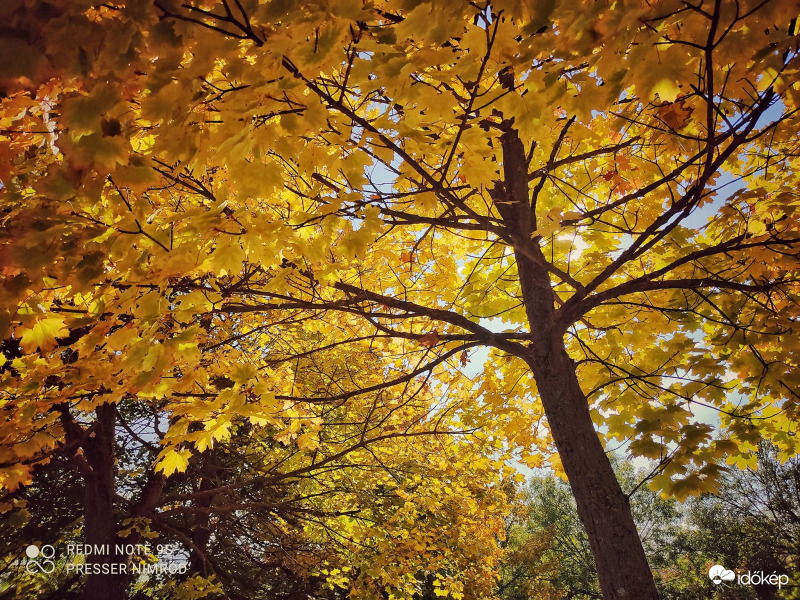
<point>429,340</point>
<point>676,115</point>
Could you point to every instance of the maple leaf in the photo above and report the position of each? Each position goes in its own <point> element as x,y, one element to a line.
<point>173,461</point>
<point>14,476</point>
<point>307,441</point>
<point>676,115</point>
<point>666,90</point>
<point>430,339</point>
<point>506,77</point>
<point>42,334</point>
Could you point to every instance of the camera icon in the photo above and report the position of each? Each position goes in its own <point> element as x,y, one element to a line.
<point>39,559</point>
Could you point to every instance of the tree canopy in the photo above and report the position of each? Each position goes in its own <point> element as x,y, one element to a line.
<point>264,240</point>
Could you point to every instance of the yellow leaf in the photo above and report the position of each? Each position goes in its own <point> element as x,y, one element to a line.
<point>666,89</point>
<point>173,460</point>
<point>757,228</point>
<point>14,476</point>
<point>43,334</point>
<point>229,257</point>
<point>307,441</point>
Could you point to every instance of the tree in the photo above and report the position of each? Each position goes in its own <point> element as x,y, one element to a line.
<point>751,524</point>
<point>548,553</point>
<point>616,183</point>
<point>263,512</point>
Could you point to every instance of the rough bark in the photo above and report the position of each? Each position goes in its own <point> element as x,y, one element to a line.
<point>604,509</point>
<point>201,528</point>
<point>92,453</point>
<point>602,506</point>
<point>100,527</point>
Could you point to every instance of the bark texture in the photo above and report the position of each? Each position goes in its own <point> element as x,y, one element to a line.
<point>100,527</point>
<point>603,508</point>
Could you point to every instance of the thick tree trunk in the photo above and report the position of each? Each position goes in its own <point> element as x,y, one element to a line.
<point>201,529</point>
<point>104,581</point>
<point>602,506</point>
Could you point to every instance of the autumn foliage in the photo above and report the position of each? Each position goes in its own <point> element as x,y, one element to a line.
<point>253,254</point>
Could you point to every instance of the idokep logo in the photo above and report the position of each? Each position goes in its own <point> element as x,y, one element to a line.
<point>718,574</point>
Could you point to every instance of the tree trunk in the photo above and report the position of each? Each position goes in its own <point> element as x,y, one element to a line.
<point>602,506</point>
<point>104,581</point>
<point>201,529</point>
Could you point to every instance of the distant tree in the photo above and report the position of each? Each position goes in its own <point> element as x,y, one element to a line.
<point>270,519</point>
<point>751,524</point>
<point>547,552</point>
